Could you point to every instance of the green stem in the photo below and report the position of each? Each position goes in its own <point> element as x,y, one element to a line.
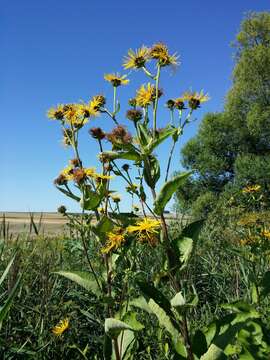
<point>156,103</point>
<point>114,99</point>
<point>169,161</point>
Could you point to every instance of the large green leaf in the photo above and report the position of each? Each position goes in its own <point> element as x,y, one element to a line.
<point>161,136</point>
<point>184,246</point>
<point>151,171</point>
<point>168,189</point>
<point>113,327</point>
<point>150,292</point>
<point>91,200</point>
<point>126,155</point>
<point>84,279</point>
<point>143,136</point>
<point>165,321</point>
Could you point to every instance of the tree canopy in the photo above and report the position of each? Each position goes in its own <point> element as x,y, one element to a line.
<point>231,148</point>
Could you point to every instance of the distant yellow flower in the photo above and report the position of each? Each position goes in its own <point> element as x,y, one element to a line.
<point>116,198</point>
<point>266,234</point>
<point>116,79</point>
<point>102,177</point>
<point>96,103</point>
<point>132,188</point>
<point>195,98</point>
<point>62,326</point>
<point>91,172</point>
<point>56,113</point>
<point>114,240</point>
<point>146,229</point>
<point>160,52</point>
<point>136,59</point>
<point>251,189</point>
<point>68,172</point>
<point>145,95</point>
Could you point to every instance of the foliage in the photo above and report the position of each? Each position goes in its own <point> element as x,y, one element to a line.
<point>232,147</point>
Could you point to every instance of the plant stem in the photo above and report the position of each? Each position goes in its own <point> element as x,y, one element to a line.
<point>169,161</point>
<point>114,99</point>
<point>156,103</point>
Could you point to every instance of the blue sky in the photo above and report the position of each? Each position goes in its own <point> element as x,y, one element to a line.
<point>58,51</point>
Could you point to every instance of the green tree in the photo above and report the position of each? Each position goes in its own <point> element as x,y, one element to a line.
<point>232,148</point>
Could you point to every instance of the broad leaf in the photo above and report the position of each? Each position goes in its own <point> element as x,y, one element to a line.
<point>126,155</point>
<point>84,279</point>
<point>168,189</point>
<point>163,135</point>
<point>114,327</point>
<point>165,321</point>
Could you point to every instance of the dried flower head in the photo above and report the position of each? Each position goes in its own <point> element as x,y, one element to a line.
<point>75,162</point>
<point>170,104</point>
<point>134,115</point>
<point>160,53</point>
<point>97,133</point>
<point>60,180</point>
<point>119,136</point>
<point>132,102</point>
<point>136,59</point>
<point>79,175</point>
<point>125,167</point>
<point>116,79</point>
<point>62,209</point>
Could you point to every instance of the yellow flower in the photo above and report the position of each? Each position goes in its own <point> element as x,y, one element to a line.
<point>266,234</point>
<point>251,189</point>
<point>102,177</point>
<point>56,113</point>
<point>68,172</point>
<point>136,59</point>
<point>114,240</point>
<point>132,188</point>
<point>90,171</point>
<point>146,229</point>
<point>116,79</point>
<point>115,198</point>
<point>145,95</point>
<point>195,98</point>
<point>62,326</point>
<point>160,52</point>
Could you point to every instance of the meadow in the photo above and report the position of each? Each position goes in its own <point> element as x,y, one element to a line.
<point>109,284</point>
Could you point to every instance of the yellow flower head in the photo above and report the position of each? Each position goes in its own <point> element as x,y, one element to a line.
<point>136,59</point>
<point>195,98</point>
<point>132,188</point>
<point>160,53</point>
<point>56,113</point>
<point>145,95</point>
<point>251,189</point>
<point>116,79</point>
<point>96,103</point>
<point>62,326</point>
<point>146,229</point>
<point>67,173</point>
<point>115,198</point>
<point>91,172</point>
<point>114,240</point>
<point>266,234</point>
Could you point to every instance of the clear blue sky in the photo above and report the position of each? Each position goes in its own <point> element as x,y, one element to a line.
<point>58,51</point>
